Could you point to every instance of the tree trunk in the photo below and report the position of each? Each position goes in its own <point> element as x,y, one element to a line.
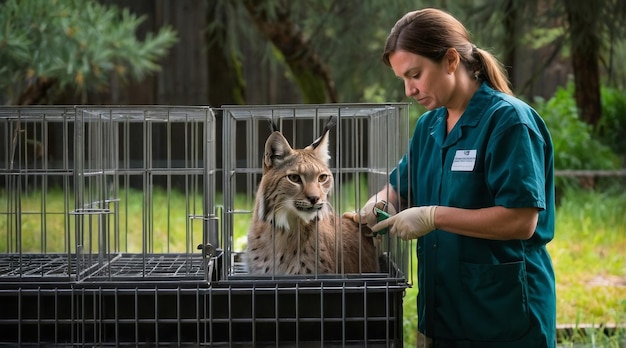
<point>36,91</point>
<point>586,81</point>
<point>310,73</point>
<point>510,36</point>
<point>225,85</point>
<point>583,20</point>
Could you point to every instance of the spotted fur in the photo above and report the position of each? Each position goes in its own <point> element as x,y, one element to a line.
<point>294,228</point>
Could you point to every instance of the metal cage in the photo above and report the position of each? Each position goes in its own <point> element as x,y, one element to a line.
<point>124,226</point>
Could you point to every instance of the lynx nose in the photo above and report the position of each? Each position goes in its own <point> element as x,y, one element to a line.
<point>313,199</point>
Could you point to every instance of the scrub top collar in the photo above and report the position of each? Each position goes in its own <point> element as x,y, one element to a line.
<point>470,118</point>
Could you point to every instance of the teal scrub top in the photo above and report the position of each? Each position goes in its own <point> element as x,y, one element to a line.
<point>476,292</point>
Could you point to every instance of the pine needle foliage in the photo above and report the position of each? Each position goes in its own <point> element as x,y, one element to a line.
<point>75,43</point>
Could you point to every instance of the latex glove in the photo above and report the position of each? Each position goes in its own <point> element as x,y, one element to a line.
<point>367,215</point>
<point>410,223</point>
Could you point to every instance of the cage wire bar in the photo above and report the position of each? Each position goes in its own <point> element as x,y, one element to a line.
<point>113,231</point>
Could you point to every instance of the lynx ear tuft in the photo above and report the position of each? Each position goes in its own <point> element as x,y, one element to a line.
<point>273,126</point>
<point>320,145</point>
<point>329,125</point>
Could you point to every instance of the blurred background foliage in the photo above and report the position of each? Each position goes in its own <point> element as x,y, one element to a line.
<point>562,56</point>
<point>48,46</point>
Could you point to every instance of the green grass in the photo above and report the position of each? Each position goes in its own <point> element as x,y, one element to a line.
<point>162,221</point>
<point>589,255</point>
<point>588,252</point>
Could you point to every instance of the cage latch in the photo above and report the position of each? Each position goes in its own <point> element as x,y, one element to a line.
<point>208,250</point>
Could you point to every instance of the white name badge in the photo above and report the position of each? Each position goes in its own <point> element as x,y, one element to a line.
<point>464,161</point>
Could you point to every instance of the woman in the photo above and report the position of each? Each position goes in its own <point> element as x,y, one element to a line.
<point>475,189</point>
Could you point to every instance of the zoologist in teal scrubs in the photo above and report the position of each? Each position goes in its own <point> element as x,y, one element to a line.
<point>475,189</point>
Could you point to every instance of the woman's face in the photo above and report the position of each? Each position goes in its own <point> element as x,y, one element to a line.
<point>428,82</point>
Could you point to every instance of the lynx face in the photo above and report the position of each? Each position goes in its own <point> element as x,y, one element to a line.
<point>296,184</point>
<point>294,228</point>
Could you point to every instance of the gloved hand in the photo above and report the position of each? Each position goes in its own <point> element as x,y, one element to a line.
<point>367,215</point>
<point>410,223</point>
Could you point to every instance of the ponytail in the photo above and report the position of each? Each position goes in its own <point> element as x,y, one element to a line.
<point>491,70</point>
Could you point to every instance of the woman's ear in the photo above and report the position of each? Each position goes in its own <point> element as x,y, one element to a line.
<point>452,59</point>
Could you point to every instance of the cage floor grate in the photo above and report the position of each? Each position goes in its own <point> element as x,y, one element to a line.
<point>152,266</point>
<point>118,266</point>
<point>20,266</point>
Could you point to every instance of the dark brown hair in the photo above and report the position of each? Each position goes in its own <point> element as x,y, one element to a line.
<point>431,33</point>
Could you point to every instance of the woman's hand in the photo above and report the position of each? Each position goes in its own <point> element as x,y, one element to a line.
<point>410,223</point>
<point>367,215</point>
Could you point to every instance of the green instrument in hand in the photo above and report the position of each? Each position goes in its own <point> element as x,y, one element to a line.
<point>380,216</point>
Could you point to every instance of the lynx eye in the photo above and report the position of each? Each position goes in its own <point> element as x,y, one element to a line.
<point>322,178</point>
<point>295,178</point>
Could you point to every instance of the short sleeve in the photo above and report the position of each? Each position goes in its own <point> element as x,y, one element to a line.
<point>515,168</point>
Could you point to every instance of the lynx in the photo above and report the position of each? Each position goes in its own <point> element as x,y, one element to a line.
<point>294,228</point>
